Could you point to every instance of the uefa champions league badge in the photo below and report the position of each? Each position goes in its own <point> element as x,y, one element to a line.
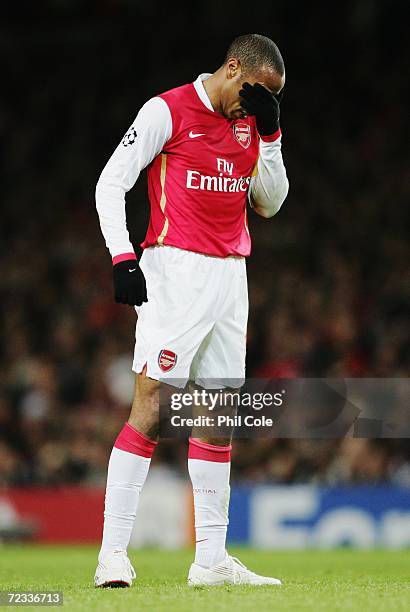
<point>242,132</point>
<point>130,137</point>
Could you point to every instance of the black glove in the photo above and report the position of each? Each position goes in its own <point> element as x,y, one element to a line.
<point>129,283</point>
<point>258,101</point>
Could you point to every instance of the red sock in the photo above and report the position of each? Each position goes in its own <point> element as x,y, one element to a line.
<point>208,452</point>
<point>133,441</point>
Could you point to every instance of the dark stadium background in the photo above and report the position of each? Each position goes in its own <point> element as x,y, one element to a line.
<point>328,288</point>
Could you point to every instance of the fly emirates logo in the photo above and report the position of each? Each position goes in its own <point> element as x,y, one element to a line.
<point>196,180</point>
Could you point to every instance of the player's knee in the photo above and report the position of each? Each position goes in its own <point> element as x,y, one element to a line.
<point>145,407</point>
<point>146,391</point>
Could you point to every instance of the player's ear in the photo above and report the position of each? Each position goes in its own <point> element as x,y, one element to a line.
<point>233,68</point>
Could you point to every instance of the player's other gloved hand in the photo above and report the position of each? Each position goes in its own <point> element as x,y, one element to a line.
<point>129,283</point>
<point>257,100</point>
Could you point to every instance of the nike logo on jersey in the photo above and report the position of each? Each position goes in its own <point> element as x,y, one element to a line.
<point>192,135</point>
<point>133,270</point>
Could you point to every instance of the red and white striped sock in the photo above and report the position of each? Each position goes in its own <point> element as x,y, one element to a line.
<point>209,468</point>
<point>127,471</point>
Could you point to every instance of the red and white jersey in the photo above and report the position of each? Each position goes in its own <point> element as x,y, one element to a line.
<point>198,184</point>
<point>201,168</point>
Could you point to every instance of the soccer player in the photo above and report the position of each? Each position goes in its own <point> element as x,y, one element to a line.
<point>209,147</point>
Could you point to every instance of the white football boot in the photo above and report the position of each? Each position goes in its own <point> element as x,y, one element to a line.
<point>114,571</point>
<point>229,571</point>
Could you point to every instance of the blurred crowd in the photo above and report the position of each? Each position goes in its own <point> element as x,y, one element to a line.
<point>327,276</point>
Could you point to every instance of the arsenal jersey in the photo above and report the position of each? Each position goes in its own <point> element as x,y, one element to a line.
<point>198,184</point>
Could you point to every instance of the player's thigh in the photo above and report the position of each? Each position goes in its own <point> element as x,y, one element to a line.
<point>176,318</point>
<point>222,361</point>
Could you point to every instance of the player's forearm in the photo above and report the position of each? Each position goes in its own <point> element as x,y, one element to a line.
<point>270,186</point>
<point>110,203</point>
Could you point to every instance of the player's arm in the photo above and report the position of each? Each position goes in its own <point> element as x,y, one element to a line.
<point>144,140</point>
<point>269,187</point>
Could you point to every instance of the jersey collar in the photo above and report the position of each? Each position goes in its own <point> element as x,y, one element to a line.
<point>200,90</point>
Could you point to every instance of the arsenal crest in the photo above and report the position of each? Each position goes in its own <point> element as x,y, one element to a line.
<point>166,360</point>
<point>242,133</point>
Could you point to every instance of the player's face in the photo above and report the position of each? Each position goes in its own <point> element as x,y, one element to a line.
<point>230,98</point>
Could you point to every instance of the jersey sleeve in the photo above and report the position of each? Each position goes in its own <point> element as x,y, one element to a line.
<point>144,140</point>
<point>269,187</point>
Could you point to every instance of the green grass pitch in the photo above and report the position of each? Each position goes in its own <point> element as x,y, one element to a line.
<point>312,580</point>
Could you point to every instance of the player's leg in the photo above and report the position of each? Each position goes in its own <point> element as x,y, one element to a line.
<point>170,328</point>
<point>209,464</point>
<point>127,471</point>
<point>222,365</point>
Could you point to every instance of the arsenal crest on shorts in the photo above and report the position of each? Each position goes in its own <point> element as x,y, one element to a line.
<point>242,133</point>
<point>166,360</point>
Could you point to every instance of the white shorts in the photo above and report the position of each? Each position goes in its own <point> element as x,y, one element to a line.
<point>193,326</point>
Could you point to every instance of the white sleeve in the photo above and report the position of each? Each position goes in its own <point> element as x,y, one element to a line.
<point>270,186</point>
<point>144,140</point>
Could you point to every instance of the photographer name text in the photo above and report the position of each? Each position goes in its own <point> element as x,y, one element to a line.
<point>221,420</point>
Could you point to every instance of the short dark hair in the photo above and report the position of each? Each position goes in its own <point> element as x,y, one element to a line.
<point>255,51</point>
